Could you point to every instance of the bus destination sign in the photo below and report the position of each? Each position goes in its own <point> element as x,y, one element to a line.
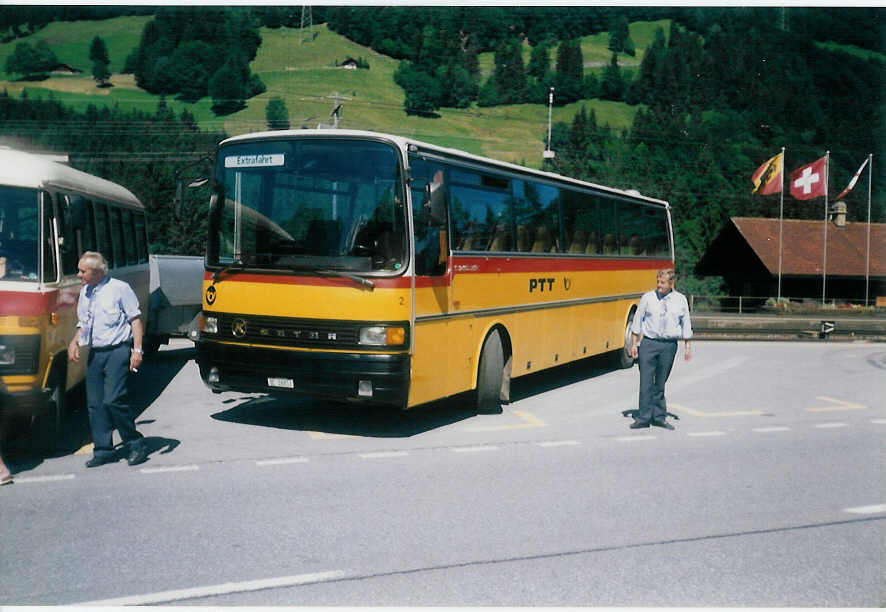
<point>254,161</point>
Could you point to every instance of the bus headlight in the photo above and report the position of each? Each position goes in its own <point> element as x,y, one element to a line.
<point>7,355</point>
<point>380,335</point>
<point>210,325</point>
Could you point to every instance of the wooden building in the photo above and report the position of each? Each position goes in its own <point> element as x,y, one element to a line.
<point>746,254</point>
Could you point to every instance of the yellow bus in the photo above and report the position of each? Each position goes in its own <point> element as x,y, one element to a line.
<point>50,214</point>
<point>370,267</point>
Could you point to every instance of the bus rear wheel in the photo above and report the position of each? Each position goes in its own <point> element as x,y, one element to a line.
<point>490,376</point>
<point>624,359</point>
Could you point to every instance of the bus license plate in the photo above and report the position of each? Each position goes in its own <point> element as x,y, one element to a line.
<point>285,383</point>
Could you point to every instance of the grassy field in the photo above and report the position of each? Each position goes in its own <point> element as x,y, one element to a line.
<point>305,75</point>
<point>70,41</point>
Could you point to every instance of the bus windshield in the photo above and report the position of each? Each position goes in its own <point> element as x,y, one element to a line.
<point>19,223</point>
<point>309,205</point>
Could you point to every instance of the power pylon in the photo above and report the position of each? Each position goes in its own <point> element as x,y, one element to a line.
<point>307,18</point>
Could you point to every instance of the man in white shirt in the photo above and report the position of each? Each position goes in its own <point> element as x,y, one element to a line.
<point>108,322</point>
<point>661,319</point>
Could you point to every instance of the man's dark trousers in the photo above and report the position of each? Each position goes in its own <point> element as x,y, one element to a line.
<point>106,378</point>
<point>656,359</point>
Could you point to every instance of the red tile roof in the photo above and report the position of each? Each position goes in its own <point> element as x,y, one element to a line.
<point>802,246</point>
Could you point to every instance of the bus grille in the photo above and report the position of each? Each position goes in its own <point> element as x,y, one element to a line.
<point>286,331</point>
<point>24,352</point>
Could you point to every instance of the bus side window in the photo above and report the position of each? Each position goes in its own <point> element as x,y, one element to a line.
<point>102,231</point>
<point>67,234</point>
<point>630,228</point>
<point>129,244</point>
<point>657,232</point>
<point>536,211</point>
<point>50,269</point>
<point>484,203</point>
<point>429,217</point>
<point>608,226</point>
<point>117,237</point>
<point>141,239</point>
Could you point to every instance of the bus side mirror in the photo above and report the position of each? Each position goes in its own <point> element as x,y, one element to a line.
<point>179,194</point>
<point>433,201</point>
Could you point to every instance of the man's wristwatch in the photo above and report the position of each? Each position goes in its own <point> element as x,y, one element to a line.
<point>138,350</point>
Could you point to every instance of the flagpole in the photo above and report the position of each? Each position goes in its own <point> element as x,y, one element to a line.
<point>867,261</point>
<point>781,222</point>
<point>824,264</point>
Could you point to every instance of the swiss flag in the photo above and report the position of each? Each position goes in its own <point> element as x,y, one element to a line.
<point>810,181</point>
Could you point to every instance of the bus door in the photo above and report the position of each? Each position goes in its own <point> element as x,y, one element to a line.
<point>432,296</point>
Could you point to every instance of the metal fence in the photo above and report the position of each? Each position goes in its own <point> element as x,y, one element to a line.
<point>769,305</point>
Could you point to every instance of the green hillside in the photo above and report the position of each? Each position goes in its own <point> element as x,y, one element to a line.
<point>305,75</point>
<point>70,41</point>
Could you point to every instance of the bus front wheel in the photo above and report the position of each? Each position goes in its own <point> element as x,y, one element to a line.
<point>490,376</point>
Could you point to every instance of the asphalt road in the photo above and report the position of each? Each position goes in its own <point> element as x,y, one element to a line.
<point>770,492</point>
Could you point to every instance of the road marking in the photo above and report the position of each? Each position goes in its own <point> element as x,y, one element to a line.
<point>829,425</point>
<point>702,434</point>
<point>219,589</point>
<point>473,449</point>
<point>384,454</point>
<point>841,406</point>
<point>529,422</point>
<point>282,461</point>
<point>699,413</point>
<point>32,479</point>
<point>771,429</point>
<point>875,509</point>
<point>634,438</point>
<point>878,421</point>
<point>708,372</point>
<point>554,443</point>
<point>173,468</point>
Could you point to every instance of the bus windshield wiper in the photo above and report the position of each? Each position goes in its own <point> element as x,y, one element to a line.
<point>233,264</point>
<point>354,277</point>
<point>364,282</point>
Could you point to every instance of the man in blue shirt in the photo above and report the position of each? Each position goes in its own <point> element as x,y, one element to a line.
<point>108,323</point>
<point>661,319</point>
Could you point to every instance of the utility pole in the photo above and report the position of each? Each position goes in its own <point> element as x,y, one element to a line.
<point>337,105</point>
<point>548,154</point>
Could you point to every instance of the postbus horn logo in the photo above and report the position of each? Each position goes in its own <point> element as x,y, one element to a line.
<point>210,295</point>
<point>238,328</point>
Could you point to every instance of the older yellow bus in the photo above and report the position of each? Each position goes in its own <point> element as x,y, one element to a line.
<point>370,267</point>
<point>49,214</point>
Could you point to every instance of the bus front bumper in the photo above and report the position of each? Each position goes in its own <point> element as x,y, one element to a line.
<point>372,378</point>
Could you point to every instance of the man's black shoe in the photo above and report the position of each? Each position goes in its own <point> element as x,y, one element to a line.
<point>663,424</point>
<point>98,460</point>
<point>638,425</point>
<point>138,455</point>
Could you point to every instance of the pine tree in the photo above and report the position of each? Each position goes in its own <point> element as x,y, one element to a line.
<point>509,75</point>
<point>612,86</point>
<point>276,114</point>
<point>98,51</point>
<point>540,60</point>
<point>569,81</point>
<point>98,55</point>
<point>227,88</point>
